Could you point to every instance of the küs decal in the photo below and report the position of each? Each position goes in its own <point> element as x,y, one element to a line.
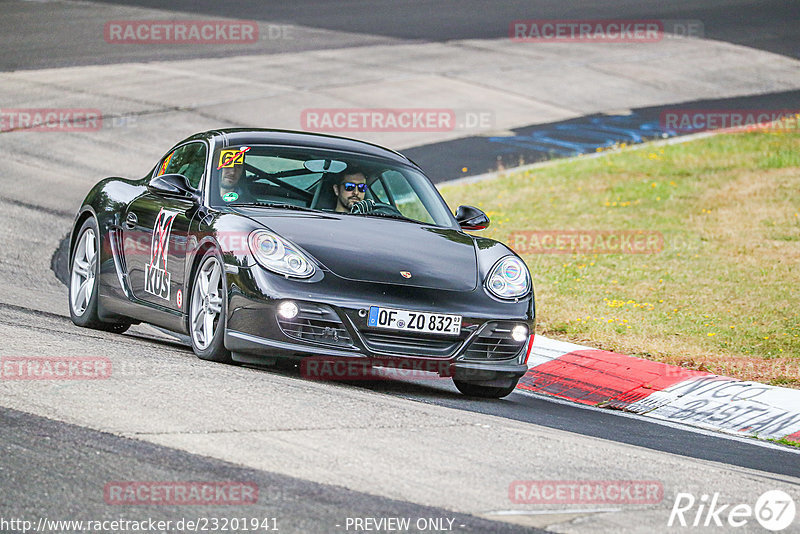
<point>156,275</point>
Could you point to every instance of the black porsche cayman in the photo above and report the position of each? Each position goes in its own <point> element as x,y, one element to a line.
<point>265,244</point>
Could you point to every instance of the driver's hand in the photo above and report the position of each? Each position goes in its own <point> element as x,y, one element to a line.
<point>363,206</point>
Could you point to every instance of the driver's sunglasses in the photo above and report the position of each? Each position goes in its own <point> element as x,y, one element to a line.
<point>349,186</point>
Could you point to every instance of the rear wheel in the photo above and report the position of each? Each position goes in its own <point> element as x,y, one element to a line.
<point>83,281</point>
<point>208,310</point>
<point>486,392</point>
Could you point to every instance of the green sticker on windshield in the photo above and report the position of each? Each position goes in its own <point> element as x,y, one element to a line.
<point>230,197</point>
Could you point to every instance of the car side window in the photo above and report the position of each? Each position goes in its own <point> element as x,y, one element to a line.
<point>377,190</point>
<point>188,160</point>
<point>405,197</point>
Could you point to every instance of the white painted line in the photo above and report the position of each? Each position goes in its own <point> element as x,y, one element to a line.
<point>555,512</point>
<point>678,426</point>
<point>546,350</point>
<point>591,155</point>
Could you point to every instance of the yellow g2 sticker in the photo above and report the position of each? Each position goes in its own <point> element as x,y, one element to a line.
<point>229,158</point>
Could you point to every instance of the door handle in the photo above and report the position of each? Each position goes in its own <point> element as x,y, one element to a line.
<point>131,220</point>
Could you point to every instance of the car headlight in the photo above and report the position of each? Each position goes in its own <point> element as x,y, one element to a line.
<point>278,255</point>
<point>509,278</point>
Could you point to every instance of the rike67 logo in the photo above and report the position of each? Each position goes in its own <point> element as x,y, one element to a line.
<point>156,275</point>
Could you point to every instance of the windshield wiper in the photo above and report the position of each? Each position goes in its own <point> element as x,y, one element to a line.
<point>388,216</point>
<point>280,205</point>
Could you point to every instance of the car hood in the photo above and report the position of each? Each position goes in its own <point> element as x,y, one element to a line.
<point>372,249</point>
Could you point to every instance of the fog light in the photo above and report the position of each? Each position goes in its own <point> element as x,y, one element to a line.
<point>288,309</point>
<point>520,332</point>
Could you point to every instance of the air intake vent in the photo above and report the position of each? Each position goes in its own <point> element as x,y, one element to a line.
<point>317,323</point>
<point>494,342</point>
<point>410,344</point>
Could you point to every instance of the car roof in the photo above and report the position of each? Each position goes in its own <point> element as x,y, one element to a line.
<point>263,136</point>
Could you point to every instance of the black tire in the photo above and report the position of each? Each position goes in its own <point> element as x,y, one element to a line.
<point>485,392</point>
<point>212,349</point>
<point>114,328</point>
<point>83,281</point>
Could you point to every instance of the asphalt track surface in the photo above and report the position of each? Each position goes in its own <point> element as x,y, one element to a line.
<point>168,416</point>
<point>767,25</point>
<point>443,161</point>
<point>543,411</point>
<point>76,39</point>
<point>42,456</point>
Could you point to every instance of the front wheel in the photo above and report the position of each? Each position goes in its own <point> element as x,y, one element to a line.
<point>208,310</point>
<point>486,392</point>
<point>83,281</point>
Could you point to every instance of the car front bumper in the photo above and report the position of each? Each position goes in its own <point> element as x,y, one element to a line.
<point>332,323</point>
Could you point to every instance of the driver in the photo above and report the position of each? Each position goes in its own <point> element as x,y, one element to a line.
<point>350,190</point>
<point>231,185</point>
<point>229,181</point>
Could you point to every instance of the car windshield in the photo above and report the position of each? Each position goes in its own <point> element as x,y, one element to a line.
<point>325,180</point>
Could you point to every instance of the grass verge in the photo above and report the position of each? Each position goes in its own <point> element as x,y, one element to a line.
<point>722,294</point>
<point>788,442</point>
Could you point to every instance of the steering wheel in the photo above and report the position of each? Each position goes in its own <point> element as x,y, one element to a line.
<point>370,206</point>
<point>386,209</point>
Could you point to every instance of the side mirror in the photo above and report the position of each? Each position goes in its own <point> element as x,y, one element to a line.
<point>471,218</point>
<point>175,185</point>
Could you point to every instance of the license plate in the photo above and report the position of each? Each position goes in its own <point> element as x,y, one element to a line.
<point>434,323</point>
